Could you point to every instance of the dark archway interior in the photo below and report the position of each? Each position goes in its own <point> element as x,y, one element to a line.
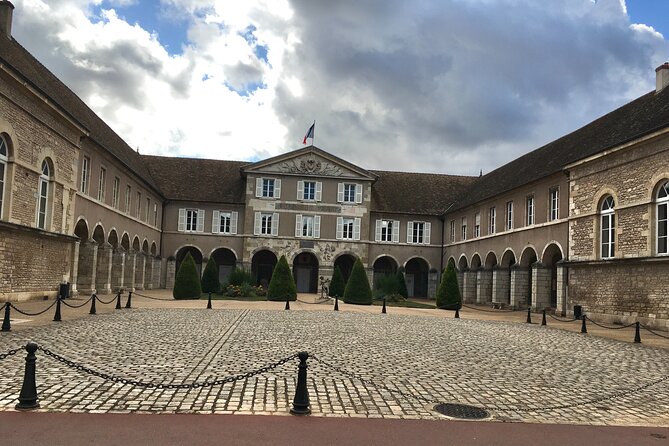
<point>226,261</point>
<point>416,272</point>
<point>262,266</point>
<point>305,272</point>
<point>197,256</point>
<point>345,263</point>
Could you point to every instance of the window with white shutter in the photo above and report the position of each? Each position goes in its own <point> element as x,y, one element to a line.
<point>300,190</point>
<point>277,188</point>
<point>396,231</point>
<point>410,232</point>
<point>317,226</point>
<point>340,192</point>
<point>266,224</point>
<point>222,222</point>
<point>387,231</point>
<point>181,227</point>
<point>215,222</point>
<point>377,232</point>
<point>234,215</point>
<point>358,193</point>
<point>257,220</point>
<point>426,234</point>
<point>200,220</point>
<point>268,188</point>
<point>258,187</point>
<point>356,229</point>
<point>340,228</point>
<point>418,232</point>
<point>275,224</point>
<point>298,225</point>
<point>319,191</point>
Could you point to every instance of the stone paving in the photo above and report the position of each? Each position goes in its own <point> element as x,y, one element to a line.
<point>392,366</point>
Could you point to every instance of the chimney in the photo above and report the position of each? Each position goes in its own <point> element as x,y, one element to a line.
<point>661,77</point>
<point>6,11</point>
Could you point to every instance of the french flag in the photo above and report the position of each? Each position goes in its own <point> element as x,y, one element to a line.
<point>310,133</point>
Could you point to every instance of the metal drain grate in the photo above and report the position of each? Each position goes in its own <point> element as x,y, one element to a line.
<point>461,411</point>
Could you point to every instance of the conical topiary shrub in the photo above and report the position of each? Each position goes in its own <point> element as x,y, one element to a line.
<point>357,289</point>
<point>402,284</point>
<point>282,285</point>
<point>187,283</point>
<point>337,284</point>
<point>210,282</point>
<point>448,294</point>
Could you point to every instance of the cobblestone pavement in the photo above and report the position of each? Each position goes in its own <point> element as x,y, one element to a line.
<point>385,366</point>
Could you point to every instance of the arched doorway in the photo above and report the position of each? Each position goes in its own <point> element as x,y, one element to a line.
<point>416,275</point>
<point>262,266</point>
<point>345,263</point>
<point>226,261</point>
<point>527,259</point>
<point>552,255</point>
<point>508,260</point>
<point>384,265</point>
<point>113,238</point>
<point>305,272</point>
<point>195,253</point>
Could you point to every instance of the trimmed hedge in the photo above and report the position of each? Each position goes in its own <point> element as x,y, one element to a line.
<point>337,284</point>
<point>357,289</point>
<point>282,284</point>
<point>402,284</point>
<point>187,283</point>
<point>448,294</point>
<point>210,282</point>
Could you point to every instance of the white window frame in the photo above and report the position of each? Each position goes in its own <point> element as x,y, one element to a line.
<point>4,160</point>
<point>529,210</point>
<point>452,232</point>
<point>463,228</point>
<point>662,202</point>
<point>218,224</point>
<point>308,190</point>
<point>554,203</point>
<point>148,209</point>
<point>418,232</point>
<point>102,184</point>
<point>138,205</point>
<point>115,190</point>
<point>43,189</point>
<point>307,226</point>
<point>266,223</point>
<point>477,225</point>
<point>191,220</point>
<point>349,193</point>
<point>607,242</point>
<point>508,223</point>
<point>155,214</point>
<point>492,220</point>
<point>387,231</point>
<point>85,174</point>
<point>269,188</point>
<point>128,198</point>
<point>350,233</point>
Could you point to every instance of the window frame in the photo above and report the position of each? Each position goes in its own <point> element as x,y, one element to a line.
<point>508,216</point>
<point>607,225</point>
<point>128,199</point>
<point>349,193</point>
<point>85,174</point>
<point>463,228</point>
<point>115,192</point>
<point>309,190</point>
<point>4,161</point>
<point>452,231</point>
<point>43,189</point>
<point>554,203</point>
<point>662,202</point>
<point>268,187</point>
<point>192,218</point>
<point>266,223</point>
<point>529,210</point>
<point>138,205</point>
<point>477,225</point>
<point>348,228</point>
<point>492,220</point>
<point>102,184</point>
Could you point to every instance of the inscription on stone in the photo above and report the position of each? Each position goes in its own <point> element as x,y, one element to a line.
<point>306,244</point>
<point>307,207</point>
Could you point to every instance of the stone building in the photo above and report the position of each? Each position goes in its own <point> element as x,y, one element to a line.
<point>581,221</point>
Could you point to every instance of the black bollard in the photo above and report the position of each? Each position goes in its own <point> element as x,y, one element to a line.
<point>301,400</point>
<point>128,303</point>
<point>529,315</point>
<point>457,314</point>
<point>584,329</point>
<point>543,318</point>
<point>94,297</point>
<point>383,310</point>
<point>336,308</point>
<point>28,395</point>
<point>118,301</point>
<point>209,302</point>
<point>6,325</point>
<point>287,307</point>
<point>56,317</point>
<point>637,334</point>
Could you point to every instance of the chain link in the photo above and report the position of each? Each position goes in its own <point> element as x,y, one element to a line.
<point>148,385</point>
<point>610,328</point>
<point>562,320</point>
<point>150,297</point>
<point>653,332</point>
<point>10,353</point>
<point>106,303</point>
<point>76,306</point>
<point>491,311</point>
<point>25,313</point>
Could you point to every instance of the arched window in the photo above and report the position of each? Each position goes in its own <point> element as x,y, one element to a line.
<point>608,220</point>
<point>661,212</point>
<point>43,195</point>
<point>4,152</point>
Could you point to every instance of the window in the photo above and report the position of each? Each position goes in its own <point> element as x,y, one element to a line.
<point>115,187</point>
<point>155,214</point>
<point>492,220</point>
<point>452,230</point>
<point>387,231</point>
<point>43,195</point>
<point>127,199</point>
<point>418,232</point>
<point>191,220</point>
<point>349,193</point>
<point>4,152</point>
<point>348,228</point>
<point>477,225</point>
<point>662,204</point>
<point>266,224</point>
<point>224,222</point>
<point>309,190</point>
<point>529,210</point>
<point>463,229</point>
<point>138,204</point>
<point>85,174</point>
<point>554,204</point>
<point>147,209</point>
<point>102,184</point>
<point>307,226</point>
<point>268,188</point>
<point>509,216</point>
<point>608,223</point>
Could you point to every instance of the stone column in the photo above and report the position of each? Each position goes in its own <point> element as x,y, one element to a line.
<point>541,286</point>
<point>461,282</point>
<point>432,284</point>
<point>484,286</point>
<point>171,272</point>
<point>520,278</point>
<point>562,287</point>
<point>103,271</point>
<point>129,272</point>
<point>140,270</point>
<point>118,267</point>
<point>88,257</point>
<point>500,285</point>
<point>157,264</point>
<point>469,287</point>
<point>75,269</point>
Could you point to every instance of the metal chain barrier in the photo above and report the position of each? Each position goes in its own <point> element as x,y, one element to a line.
<point>610,328</point>
<point>135,293</point>
<point>653,332</point>
<point>562,320</point>
<point>25,313</point>
<point>149,385</point>
<point>491,311</point>
<point>64,302</point>
<point>106,303</point>
<point>11,352</point>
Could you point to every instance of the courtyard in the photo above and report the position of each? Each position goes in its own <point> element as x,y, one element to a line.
<point>362,364</point>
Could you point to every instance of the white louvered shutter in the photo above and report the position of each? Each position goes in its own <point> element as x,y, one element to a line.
<point>181,227</point>
<point>200,220</point>
<point>258,187</point>
<point>410,232</point>
<point>340,193</point>
<point>377,235</point>
<point>216,222</point>
<point>319,191</point>
<point>277,188</point>
<point>356,229</point>
<point>300,190</point>
<point>275,224</point>
<point>317,226</point>
<point>340,228</point>
<point>358,193</point>
<point>233,222</point>
<point>426,235</point>
<point>298,225</point>
<point>256,224</point>
<point>396,231</point>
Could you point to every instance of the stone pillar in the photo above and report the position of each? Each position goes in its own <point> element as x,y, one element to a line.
<point>129,272</point>
<point>484,286</point>
<point>140,270</point>
<point>103,271</point>
<point>562,287</point>
<point>500,285</point>
<point>520,291</point>
<point>461,282</point>
<point>118,267</point>
<point>469,287</point>
<point>432,284</point>
<point>541,286</point>
<point>171,272</point>
<point>88,257</point>
<point>157,264</point>
<point>75,270</point>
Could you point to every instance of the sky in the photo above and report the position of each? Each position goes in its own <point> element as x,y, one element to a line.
<point>447,86</point>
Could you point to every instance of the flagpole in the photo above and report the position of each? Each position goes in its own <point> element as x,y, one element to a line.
<point>313,135</point>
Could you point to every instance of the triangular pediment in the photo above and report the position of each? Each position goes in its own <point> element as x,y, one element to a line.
<point>309,161</point>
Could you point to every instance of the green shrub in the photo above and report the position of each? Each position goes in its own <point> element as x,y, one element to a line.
<point>337,284</point>
<point>240,276</point>
<point>448,294</point>
<point>402,285</point>
<point>386,285</point>
<point>282,285</point>
<point>187,282</point>
<point>357,289</point>
<point>210,282</point>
